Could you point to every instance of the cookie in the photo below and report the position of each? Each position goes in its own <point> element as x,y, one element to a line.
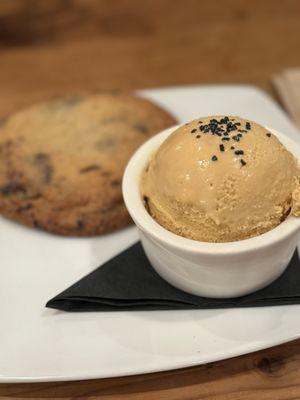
<point>61,162</point>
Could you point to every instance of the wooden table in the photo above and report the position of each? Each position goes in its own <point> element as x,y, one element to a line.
<point>54,47</point>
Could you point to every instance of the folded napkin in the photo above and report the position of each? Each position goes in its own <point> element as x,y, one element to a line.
<point>287,85</point>
<point>128,282</point>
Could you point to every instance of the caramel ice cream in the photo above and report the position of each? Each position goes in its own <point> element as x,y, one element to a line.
<point>221,179</point>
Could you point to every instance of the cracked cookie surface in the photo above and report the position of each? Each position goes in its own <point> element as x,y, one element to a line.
<point>61,162</point>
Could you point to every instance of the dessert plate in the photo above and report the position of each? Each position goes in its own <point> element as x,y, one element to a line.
<point>39,344</point>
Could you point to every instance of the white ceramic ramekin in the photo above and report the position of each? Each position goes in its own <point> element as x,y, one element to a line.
<point>217,270</point>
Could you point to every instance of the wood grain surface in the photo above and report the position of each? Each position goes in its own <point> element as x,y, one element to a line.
<point>270,375</point>
<point>56,47</point>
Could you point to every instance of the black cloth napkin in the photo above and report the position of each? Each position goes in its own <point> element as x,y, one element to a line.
<point>128,282</point>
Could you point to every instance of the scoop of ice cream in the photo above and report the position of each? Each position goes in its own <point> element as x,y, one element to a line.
<point>221,179</point>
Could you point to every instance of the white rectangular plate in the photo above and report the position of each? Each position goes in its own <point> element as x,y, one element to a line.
<point>38,344</point>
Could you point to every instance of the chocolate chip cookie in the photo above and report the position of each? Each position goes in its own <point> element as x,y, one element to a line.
<point>61,162</point>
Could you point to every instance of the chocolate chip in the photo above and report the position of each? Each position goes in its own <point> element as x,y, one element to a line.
<point>214,158</point>
<point>43,162</point>
<point>25,207</point>
<point>248,126</point>
<point>115,182</point>
<point>41,157</point>
<point>80,224</point>
<point>139,126</point>
<point>12,188</point>
<point>111,206</point>
<point>89,168</point>
<point>37,224</point>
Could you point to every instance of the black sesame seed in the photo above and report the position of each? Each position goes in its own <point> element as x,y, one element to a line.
<point>224,120</point>
<point>248,126</point>
<point>268,134</point>
<point>239,135</point>
<point>214,158</point>
<point>243,162</point>
<point>225,139</point>
<point>193,130</point>
<point>201,128</point>
<point>222,148</point>
<point>239,152</point>
<point>230,127</point>
<point>198,136</point>
<point>236,138</point>
<point>232,147</point>
<point>199,122</point>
